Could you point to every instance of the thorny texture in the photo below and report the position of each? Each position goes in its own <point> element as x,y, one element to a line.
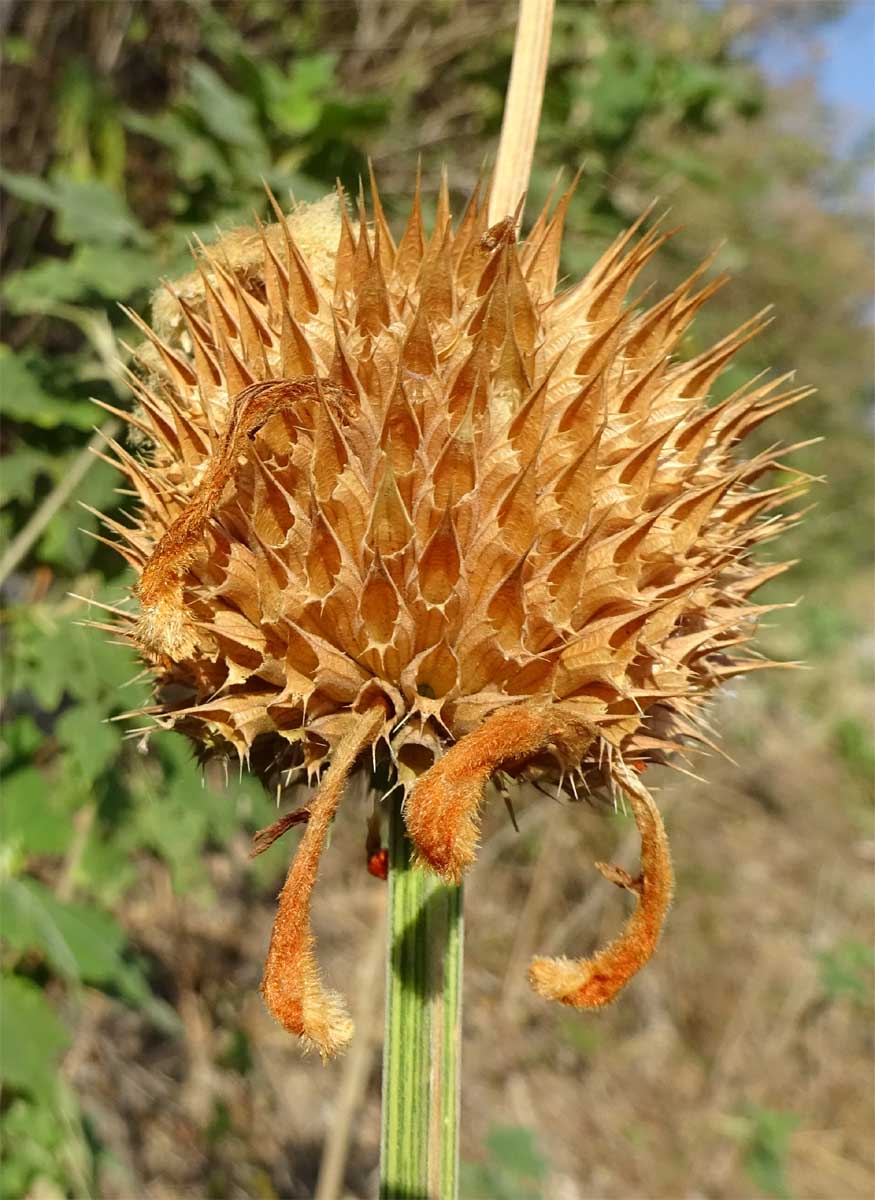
<point>411,502</point>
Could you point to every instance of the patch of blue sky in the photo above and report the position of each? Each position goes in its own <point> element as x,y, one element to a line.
<point>839,54</point>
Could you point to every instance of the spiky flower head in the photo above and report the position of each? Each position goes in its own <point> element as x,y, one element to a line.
<point>411,502</point>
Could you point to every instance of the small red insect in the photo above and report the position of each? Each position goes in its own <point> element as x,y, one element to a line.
<point>378,864</point>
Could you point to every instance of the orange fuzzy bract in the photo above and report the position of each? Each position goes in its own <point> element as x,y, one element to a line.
<point>415,482</point>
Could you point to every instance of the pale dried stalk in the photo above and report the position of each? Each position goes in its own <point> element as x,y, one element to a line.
<point>522,108</point>
<point>357,1067</point>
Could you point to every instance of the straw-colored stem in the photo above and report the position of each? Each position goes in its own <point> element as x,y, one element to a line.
<point>522,107</point>
<point>421,1054</point>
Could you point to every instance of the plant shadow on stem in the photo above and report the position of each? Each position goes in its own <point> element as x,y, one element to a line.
<point>417,955</point>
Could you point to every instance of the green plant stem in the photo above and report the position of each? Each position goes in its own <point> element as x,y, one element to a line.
<point>422,1050</point>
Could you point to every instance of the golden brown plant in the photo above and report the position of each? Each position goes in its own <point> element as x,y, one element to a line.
<point>414,501</point>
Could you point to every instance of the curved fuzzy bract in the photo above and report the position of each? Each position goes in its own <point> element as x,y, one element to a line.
<point>422,476</point>
<point>442,811</point>
<point>593,982</point>
<point>163,614</point>
<point>291,984</point>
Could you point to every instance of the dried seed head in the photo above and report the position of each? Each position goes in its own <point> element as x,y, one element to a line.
<point>412,497</point>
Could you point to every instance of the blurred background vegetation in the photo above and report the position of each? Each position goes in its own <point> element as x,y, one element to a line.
<point>136,1058</point>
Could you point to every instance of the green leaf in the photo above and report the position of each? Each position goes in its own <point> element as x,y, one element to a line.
<point>88,211</point>
<point>90,741</point>
<point>39,288</point>
<point>516,1149</point>
<point>514,1170</point>
<point>32,1150</point>
<point>846,970</point>
<point>36,815</point>
<point>32,1037</point>
<point>66,542</point>
<point>89,140</point>
<point>17,50</point>
<point>176,826</point>
<point>113,273</point>
<point>54,657</point>
<point>768,1143</point>
<point>19,738</point>
<point>188,815</point>
<point>22,398</point>
<point>855,745</point>
<point>295,98</point>
<point>228,116</point>
<point>29,188</point>
<point>30,923</point>
<point>195,156</point>
<point>20,472</point>
<point>82,943</point>
<point>108,864</point>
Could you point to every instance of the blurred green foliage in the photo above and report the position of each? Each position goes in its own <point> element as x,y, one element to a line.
<point>765,1134</point>
<point>514,1168</point>
<point>139,126</point>
<point>847,970</point>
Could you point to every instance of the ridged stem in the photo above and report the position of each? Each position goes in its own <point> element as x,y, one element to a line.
<point>419,1155</point>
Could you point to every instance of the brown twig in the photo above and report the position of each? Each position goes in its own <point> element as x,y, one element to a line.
<point>356,1065</point>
